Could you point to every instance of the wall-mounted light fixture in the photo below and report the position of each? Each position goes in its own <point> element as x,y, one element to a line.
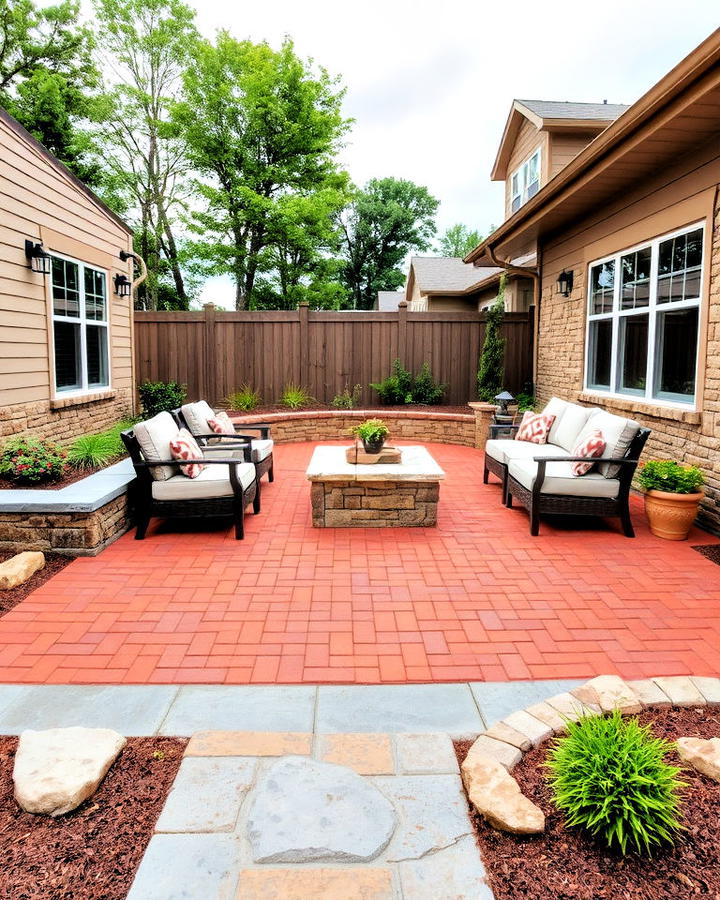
<point>565,283</point>
<point>123,287</point>
<point>39,259</point>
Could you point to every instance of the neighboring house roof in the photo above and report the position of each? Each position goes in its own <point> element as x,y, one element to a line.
<point>448,274</point>
<point>388,300</point>
<point>680,112</point>
<point>15,126</point>
<point>552,115</point>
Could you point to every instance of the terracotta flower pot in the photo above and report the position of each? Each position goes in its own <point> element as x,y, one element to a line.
<point>671,515</point>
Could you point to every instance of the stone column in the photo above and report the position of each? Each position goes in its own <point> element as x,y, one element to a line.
<point>483,417</point>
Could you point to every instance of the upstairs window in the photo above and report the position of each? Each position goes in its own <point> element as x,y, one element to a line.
<point>80,326</point>
<point>643,319</point>
<point>525,182</point>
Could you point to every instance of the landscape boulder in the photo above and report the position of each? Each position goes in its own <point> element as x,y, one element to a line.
<point>701,754</point>
<point>497,796</point>
<point>16,570</point>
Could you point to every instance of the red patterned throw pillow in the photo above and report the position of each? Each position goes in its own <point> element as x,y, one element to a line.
<point>221,423</point>
<point>185,447</point>
<point>592,447</point>
<point>534,428</point>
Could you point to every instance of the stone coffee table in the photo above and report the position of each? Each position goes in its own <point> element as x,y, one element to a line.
<point>374,496</point>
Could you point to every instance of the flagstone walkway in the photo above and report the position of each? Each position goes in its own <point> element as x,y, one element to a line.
<point>475,599</point>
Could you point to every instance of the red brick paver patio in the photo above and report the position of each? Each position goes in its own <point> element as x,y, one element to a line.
<point>474,599</point>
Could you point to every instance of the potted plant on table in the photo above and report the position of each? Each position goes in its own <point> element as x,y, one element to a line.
<point>672,497</point>
<point>372,433</point>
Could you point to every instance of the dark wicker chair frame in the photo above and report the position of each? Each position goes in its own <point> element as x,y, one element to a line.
<point>265,465</point>
<point>500,470</point>
<point>145,506</point>
<point>538,503</point>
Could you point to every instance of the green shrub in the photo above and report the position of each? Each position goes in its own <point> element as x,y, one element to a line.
<point>92,450</point>
<point>295,397</point>
<point>371,430</point>
<point>29,460</point>
<point>244,398</point>
<point>402,387</point>
<point>610,777</point>
<point>491,368</point>
<point>668,475</point>
<point>161,396</point>
<point>348,399</point>
<point>426,389</point>
<point>524,401</point>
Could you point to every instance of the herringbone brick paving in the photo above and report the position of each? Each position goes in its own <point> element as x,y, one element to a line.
<point>476,598</point>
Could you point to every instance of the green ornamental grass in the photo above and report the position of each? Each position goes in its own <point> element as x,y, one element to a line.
<point>295,397</point>
<point>244,398</point>
<point>609,776</point>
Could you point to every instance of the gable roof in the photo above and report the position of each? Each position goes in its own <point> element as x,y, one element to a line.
<point>23,133</point>
<point>387,301</point>
<point>551,115</point>
<point>447,274</point>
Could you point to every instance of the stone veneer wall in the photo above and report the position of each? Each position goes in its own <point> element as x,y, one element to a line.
<point>70,533</point>
<point>691,437</point>
<point>387,504</point>
<point>64,420</point>
<point>327,425</point>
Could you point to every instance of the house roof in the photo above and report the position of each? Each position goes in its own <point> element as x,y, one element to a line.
<point>22,132</point>
<point>448,274</point>
<point>388,300</point>
<point>552,115</point>
<point>679,113</point>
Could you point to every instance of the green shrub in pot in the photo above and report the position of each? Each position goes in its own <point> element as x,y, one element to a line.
<point>372,433</point>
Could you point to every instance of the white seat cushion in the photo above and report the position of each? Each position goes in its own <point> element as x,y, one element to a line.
<point>261,450</point>
<point>213,481</point>
<point>505,451</point>
<point>196,415</point>
<point>559,479</point>
<point>571,424</point>
<point>618,433</point>
<point>154,436</point>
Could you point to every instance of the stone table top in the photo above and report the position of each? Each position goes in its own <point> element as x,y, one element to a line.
<point>328,464</point>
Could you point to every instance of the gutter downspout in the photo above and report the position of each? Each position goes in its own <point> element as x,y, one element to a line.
<point>526,273</point>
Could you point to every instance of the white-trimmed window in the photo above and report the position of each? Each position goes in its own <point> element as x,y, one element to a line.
<point>643,319</point>
<point>80,326</point>
<point>525,182</point>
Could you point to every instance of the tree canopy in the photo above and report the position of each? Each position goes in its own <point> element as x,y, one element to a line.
<point>458,240</point>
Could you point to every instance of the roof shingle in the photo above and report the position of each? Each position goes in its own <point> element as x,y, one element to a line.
<point>555,109</point>
<point>447,274</point>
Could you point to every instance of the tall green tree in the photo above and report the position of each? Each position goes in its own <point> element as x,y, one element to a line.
<point>458,240</point>
<point>146,46</point>
<point>387,219</point>
<point>49,81</point>
<point>260,126</point>
<point>491,369</point>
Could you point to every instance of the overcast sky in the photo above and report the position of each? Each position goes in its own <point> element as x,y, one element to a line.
<point>430,83</point>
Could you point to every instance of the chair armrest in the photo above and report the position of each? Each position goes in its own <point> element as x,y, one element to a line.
<point>185,462</point>
<point>620,461</point>
<point>262,427</point>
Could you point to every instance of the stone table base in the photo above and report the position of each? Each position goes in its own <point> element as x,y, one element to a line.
<point>374,504</point>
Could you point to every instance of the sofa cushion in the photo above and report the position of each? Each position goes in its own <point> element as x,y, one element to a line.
<point>555,407</point>
<point>213,481</point>
<point>618,433</point>
<point>590,445</point>
<point>505,451</point>
<point>185,447</point>
<point>572,423</point>
<point>559,479</point>
<point>261,450</point>
<point>154,436</point>
<point>534,427</point>
<point>196,415</point>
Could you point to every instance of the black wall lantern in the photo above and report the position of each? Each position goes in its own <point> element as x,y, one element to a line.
<point>39,260</point>
<point>122,286</point>
<point>565,283</point>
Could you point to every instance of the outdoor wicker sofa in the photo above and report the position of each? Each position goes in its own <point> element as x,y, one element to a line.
<point>539,476</point>
<point>195,416</point>
<point>225,488</point>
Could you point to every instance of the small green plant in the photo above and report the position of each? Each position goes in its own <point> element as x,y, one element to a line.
<point>403,387</point>
<point>161,396</point>
<point>668,475</point>
<point>372,432</point>
<point>244,398</point>
<point>295,397</point>
<point>491,368</point>
<point>158,754</point>
<point>348,399</point>
<point>29,460</point>
<point>426,389</point>
<point>92,450</point>
<point>525,401</point>
<point>609,776</point>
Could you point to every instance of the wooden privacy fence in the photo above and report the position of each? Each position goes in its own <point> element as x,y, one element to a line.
<point>213,352</point>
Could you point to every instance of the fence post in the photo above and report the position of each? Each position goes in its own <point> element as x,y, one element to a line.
<point>402,332</point>
<point>209,362</point>
<point>304,354</point>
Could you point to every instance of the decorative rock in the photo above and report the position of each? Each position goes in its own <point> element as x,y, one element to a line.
<point>497,797</point>
<point>681,690</point>
<point>505,754</point>
<point>570,708</point>
<point>55,770</point>
<point>650,694</point>
<point>609,692</point>
<point>501,731</point>
<point>709,688</point>
<point>302,810</point>
<point>551,717</point>
<point>701,754</point>
<point>19,568</point>
<point>535,730</point>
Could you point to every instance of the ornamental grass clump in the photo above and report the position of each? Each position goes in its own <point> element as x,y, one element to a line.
<point>294,396</point>
<point>609,776</point>
<point>244,398</point>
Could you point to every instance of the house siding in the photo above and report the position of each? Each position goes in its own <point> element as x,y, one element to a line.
<point>40,202</point>
<point>563,148</point>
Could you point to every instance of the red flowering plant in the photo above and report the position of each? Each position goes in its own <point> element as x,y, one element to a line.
<point>29,460</point>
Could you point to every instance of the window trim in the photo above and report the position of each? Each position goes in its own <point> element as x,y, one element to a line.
<point>653,310</point>
<point>84,389</point>
<point>521,172</point>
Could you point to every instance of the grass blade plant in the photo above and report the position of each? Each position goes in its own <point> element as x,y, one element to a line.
<point>295,397</point>
<point>609,776</point>
<point>93,450</point>
<point>244,399</point>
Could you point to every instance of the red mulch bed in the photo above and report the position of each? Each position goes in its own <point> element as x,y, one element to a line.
<point>408,407</point>
<point>10,598</point>
<point>93,852</point>
<point>564,864</point>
